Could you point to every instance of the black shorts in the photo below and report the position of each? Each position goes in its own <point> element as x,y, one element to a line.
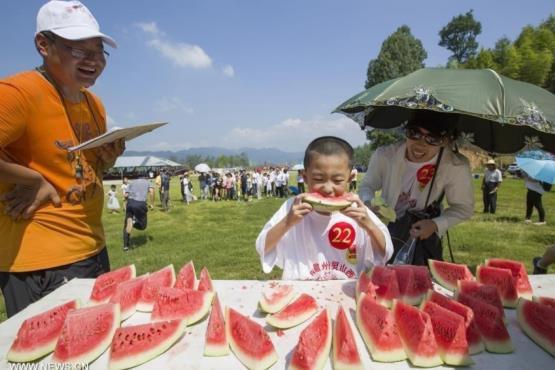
<point>137,210</point>
<point>20,289</point>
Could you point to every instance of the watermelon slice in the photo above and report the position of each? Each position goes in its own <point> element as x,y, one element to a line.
<point>377,327</point>
<point>503,281</point>
<point>345,353</point>
<point>87,333</point>
<point>387,286</point>
<point>295,313</point>
<point>322,203</point>
<point>450,334</point>
<point>186,278</point>
<point>135,345</point>
<point>364,285</point>
<point>538,322</point>
<point>414,283</point>
<point>417,335</point>
<point>182,304</point>
<point>217,343</point>
<point>523,287</point>
<point>490,323</point>
<point>486,293</point>
<point>161,278</point>
<point>249,341</point>
<point>473,336</point>
<point>127,296</point>
<point>37,336</point>
<point>313,347</point>
<point>447,274</point>
<point>105,285</point>
<point>275,296</point>
<point>548,301</point>
<point>205,282</point>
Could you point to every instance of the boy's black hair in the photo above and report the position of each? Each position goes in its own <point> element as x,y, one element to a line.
<point>329,145</point>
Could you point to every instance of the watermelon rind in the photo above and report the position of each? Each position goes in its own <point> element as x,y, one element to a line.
<point>165,277</point>
<point>310,336</point>
<point>19,354</point>
<point>420,325</point>
<point>135,359</point>
<point>186,277</point>
<point>216,323</point>
<point>539,324</point>
<point>105,285</point>
<point>75,326</point>
<point>326,204</point>
<point>290,315</point>
<point>275,296</point>
<point>174,303</point>
<point>263,361</point>
<point>344,346</point>
<point>447,273</point>
<point>503,279</point>
<point>387,323</point>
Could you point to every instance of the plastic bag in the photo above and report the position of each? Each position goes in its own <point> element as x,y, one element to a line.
<point>405,256</point>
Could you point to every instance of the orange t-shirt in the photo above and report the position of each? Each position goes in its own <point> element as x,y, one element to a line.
<point>34,132</point>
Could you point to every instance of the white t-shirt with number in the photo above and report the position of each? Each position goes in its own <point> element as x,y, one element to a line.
<point>322,247</point>
<point>414,180</point>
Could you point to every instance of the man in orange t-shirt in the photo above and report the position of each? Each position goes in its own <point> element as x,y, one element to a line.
<point>51,199</point>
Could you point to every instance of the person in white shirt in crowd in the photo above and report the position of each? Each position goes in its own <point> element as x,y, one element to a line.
<point>300,181</point>
<point>188,188</point>
<point>490,184</point>
<point>353,185</point>
<point>314,245</point>
<point>414,177</point>
<point>273,176</point>
<point>534,195</point>
<point>268,188</point>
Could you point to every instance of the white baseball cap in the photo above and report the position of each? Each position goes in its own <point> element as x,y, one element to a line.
<point>70,20</point>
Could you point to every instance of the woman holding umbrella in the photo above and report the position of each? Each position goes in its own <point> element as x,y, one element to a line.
<point>414,177</point>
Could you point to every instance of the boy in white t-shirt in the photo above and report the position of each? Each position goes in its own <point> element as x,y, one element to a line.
<point>311,245</point>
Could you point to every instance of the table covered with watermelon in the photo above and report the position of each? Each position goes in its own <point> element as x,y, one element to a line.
<point>311,317</point>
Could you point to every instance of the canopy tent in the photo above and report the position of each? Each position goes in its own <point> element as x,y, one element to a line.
<point>144,161</point>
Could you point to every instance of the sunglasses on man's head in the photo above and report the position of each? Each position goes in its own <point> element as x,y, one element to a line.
<point>415,133</point>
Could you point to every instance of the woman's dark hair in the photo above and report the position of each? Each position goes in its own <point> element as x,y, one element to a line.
<point>329,145</point>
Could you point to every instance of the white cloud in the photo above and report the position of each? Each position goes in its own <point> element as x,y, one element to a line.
<point>183,55</point>
<point>228,71</point>
<point>150,28</point>
<point>169,104</point>
<point>294,134</point>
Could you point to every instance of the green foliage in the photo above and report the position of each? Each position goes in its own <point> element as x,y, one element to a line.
<point>401,53</point>
<point>459,36</point>
<point>222,161</point>
<point>380,137</point>
<point>362,154</point>
<point>484,59</point>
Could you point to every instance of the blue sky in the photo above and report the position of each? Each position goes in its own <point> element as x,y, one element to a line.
<point>251,73</point>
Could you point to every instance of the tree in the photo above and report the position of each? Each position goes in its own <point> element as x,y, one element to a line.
<point>380,138</point>
<point>459,36</point>
<point>362,154</point>
<point>484,59</point>
<point>507,58</point>
<point>401,53</point>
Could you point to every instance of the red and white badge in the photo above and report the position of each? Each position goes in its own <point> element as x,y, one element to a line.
<point>341,235</point>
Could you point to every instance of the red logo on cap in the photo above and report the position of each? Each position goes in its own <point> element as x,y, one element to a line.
<point>341,235</point>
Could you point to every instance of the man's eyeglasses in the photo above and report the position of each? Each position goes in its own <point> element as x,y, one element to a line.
<point>78,53</point>
<point>414,133</point>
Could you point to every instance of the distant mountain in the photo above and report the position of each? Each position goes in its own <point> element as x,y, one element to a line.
<point>256,156</point>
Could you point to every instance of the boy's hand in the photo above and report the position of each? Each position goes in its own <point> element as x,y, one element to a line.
<point>358,213</point>
<point>298,210</point>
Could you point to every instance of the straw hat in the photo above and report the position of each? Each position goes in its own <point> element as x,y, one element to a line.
<point>491,161</point>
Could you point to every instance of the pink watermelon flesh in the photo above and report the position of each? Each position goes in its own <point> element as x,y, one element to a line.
<point>487,293</point>
<point>87,333</point>
<point>295,313</point>
<point>447,274</point>
<point>160,279</point>
<point>365,285</point>
<point>414,282</point>
<point>127,295</point>
<point>249,341</point>
<point>314,344</point>
<point>538,322</point>
<point>216,337</point>
<point>473,336</point>
<point>385,280</point>
<point>182,304</point>
<point>523,287</point>
<point>135,345</point>
<point>417,335</point>
<point>275,296</point>
<point>186,278</point>
<point>503,281</point>
<point>105,285</point>
<point>490,323</point>
<point>379,331</point>
<point>547,301</point>
<point>450,334</point>
<point>345,352</point>
<point>205,282</point>
<point>37,336</point>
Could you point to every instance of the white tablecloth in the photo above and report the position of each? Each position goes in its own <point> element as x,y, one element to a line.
<point>243,295</point>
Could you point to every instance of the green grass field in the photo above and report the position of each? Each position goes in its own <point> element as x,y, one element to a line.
<point>221,235</point>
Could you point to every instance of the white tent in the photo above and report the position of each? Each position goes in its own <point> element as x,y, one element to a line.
<point>144,161</point>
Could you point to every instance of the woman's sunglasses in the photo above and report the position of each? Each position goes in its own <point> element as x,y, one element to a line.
<point>414,133</point>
